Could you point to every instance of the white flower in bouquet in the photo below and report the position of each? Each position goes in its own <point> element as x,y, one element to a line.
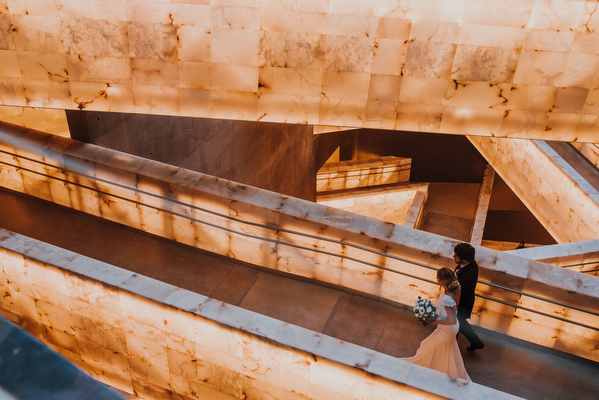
<point>425,311</point>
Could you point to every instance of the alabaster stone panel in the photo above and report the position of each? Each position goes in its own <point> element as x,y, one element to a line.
<point>102,96</point>
<point>95,38</point>
<point>360,276</point>
<point>15,312</point>
<point>540,67</point>
<point>180,330</point>
<point>163,39</point>
<point>385,88</point>
<point>292,50</point>
<point>37,33</point>
<point>304,82</point>
<point>46,282</point>
<point>513,13</point>
<point>437,32</point>
<point>182,374</point>
<point>585,42</point>
<point>157,12</point>
<point>346,111</point>
<point>349,381</point>
<point>483,63</point>
<point>51,121</point>
<point>546,329</point>
<point>12,89</point>
<point>94,360</point>
<point>104,10</point>
<point>528,97</point>
<point>47,93</point>
<point>65,341</point>
<point>298,21</point>
<point>108,336</point>
<point>6,37</point>
<point>296,261</point>
<point>492,36</point>
<point>348,54</point>
<point>413,116</point>
<point>381,113</point>
<point>126,212</point>
<point>240,78</point>
<point>429,60</point>
<point>148,358</point>
<point>580,70</point>
<point>277,107</point>
<point>55,317</point>
<point>560,16</point>
<point>154,72</point>
<point>265,361</point>
<point>155,100</point>
<point>10,176</point>
<point>470,120</point>
<point>405,290</point>
<point>545,40</point>
<point>591,106</point>
<point>255,251</point>
<point>583,345</point>
<point>569,100</point>
<point>430,9</point>
<point>523,124</point>
<point>39,65</point>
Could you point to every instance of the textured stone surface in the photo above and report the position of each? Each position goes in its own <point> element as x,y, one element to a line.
<point>31,370</point>
<point>491,68</point>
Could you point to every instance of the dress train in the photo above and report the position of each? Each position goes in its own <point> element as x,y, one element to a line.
<point>440,351</point>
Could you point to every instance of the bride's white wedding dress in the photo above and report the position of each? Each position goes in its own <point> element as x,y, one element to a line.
<point>440,351</point>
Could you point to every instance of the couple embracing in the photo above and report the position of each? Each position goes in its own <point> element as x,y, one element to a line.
<point>440,351</point>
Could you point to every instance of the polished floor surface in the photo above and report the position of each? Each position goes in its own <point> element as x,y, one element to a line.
<point>505,364</point>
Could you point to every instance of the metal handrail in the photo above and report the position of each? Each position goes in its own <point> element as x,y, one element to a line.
<point>279,229</point>
<point>579,264</point>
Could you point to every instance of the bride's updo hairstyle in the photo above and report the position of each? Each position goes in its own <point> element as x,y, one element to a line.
<point>449,279</point>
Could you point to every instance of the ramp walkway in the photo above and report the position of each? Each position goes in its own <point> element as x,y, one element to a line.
<point>573,157</point>
<point>505,364</point>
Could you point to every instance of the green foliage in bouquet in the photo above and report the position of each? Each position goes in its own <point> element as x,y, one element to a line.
<point>425,311</point>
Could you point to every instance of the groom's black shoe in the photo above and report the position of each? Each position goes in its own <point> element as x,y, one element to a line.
<point>473,348</point>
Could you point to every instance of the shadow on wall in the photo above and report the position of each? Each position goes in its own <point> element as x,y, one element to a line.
<point>31,370</point>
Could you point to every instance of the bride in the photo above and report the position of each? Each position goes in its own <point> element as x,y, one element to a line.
<point>440,351</point>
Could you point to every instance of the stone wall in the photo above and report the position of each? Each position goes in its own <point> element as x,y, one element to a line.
<point>352,174</point>
<point>353,252</point>
<point>566,205</point>
<point>430,66</point>
<point>401,204</point>
<point>157,341</point>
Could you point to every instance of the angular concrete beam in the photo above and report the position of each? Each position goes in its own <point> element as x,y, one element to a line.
<point>563,202</point>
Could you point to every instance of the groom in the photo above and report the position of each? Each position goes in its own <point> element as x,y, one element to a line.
<point>467,273</point>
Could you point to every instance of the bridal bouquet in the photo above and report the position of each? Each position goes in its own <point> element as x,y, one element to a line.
<point>425,310</point>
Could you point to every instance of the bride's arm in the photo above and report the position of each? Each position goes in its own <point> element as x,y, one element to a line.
<point>451,317</point>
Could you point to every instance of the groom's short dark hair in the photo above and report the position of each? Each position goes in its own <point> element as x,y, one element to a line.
<point>465,251</point>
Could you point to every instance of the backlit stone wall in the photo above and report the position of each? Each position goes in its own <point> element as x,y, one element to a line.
<point>157,341</point>
<point>401,205</point>
<point>512,68</point>
<point>379,259</point>
<point>563,202</point>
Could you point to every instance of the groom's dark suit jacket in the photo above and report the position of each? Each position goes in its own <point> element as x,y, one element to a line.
<point>467,276</point>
